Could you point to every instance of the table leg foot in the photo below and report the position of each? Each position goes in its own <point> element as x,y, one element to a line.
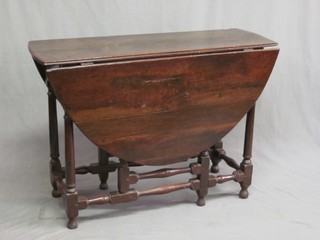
<point>72,223</point>
<point>247,169</point>
<point>55,173</point>
<point>201,201</point>
<point>56,193</point>
<point>103,186</point>
<point>244,193</point>
<point>215,169</point>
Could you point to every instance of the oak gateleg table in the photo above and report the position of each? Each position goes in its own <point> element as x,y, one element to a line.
<point>152,99</point>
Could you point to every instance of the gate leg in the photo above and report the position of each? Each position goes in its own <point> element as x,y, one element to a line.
<point>215,157</point>
<point>123,177</point>
<point>55,165</point>
<point>246,165</point>
<point>103,173</point>
<point>71,193</point>
<point>204,160</point>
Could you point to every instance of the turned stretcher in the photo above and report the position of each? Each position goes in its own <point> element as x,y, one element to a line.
<point>153,99</point>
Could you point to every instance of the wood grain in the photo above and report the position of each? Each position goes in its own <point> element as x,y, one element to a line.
<point>160,111</point>
<point>115,48</point>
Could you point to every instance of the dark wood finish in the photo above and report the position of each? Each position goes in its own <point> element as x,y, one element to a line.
<point>103,164</point>
<point>71,193</point>
<point>132,195</point>
<point>161,173</point>
<point>107,105</point>
<point>237,176</point>
<point>218,154</point>
<point>204,161</point>
<point>248,140</point>
<point>118,48</point>
<point>215,156</point>
<point>246,165</point>
<point>98,168</point>
<point>55,165</point>
<point>194,168</point>
<point>123,177</point>
<point>153,100</point>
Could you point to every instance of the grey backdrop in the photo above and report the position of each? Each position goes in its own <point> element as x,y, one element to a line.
<point>285,195</point>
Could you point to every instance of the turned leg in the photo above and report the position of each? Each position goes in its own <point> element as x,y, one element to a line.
<point>55,165</point>
<point>123,177</point>
<point>246,165</point>
<point>217,149</point>
<point>103,163</point>
<point>204,160</point>
<point>71,193</point>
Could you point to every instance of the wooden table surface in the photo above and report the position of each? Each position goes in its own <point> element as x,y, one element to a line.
<point>157,99</point>
<point>116,48</point>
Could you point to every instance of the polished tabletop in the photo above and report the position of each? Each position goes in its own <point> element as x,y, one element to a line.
<point>117,48</point>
